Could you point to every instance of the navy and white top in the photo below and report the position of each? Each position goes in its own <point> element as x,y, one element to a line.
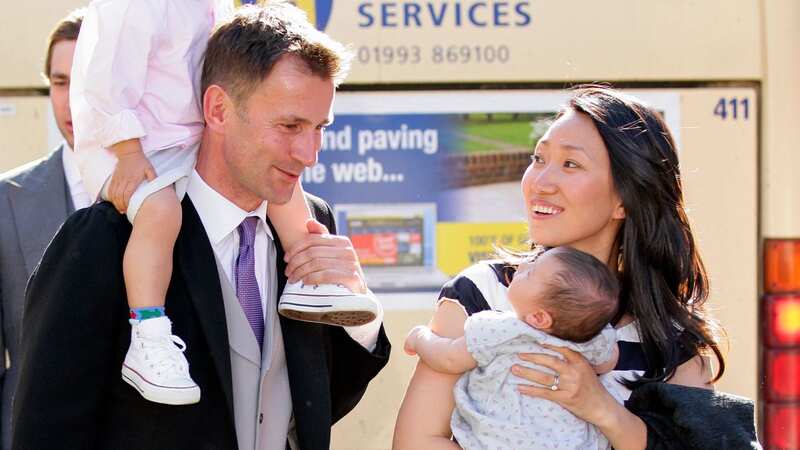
<point>484,286</point>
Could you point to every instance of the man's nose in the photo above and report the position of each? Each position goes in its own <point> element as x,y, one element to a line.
<point>305,148</point>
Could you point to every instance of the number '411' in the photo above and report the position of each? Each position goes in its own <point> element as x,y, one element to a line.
<point>735,107</point>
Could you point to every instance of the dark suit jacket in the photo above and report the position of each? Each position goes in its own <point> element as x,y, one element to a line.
<point>71,395</point>
<point>34,201</point>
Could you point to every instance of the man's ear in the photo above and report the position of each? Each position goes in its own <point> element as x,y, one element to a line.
<point>216,104</point>
<point>539,319</point>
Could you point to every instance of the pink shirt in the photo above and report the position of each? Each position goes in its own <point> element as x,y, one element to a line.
<point>136,74</point>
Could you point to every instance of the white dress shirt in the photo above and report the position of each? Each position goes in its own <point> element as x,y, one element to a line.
<point>221,219</point>
<point>273,409</point>
<point>80,198</point>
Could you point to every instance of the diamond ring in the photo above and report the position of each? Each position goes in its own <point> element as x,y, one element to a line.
<point>554,386</point>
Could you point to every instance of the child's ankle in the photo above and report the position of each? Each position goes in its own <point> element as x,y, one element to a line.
<point>148,312</point>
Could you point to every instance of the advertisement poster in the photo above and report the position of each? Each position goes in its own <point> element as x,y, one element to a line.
<point>427,183</point>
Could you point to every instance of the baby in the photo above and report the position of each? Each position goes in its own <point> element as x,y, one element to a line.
<point>564,298</point>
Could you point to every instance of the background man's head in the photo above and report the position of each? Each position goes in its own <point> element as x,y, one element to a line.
<point>57,68</point>
<point>268,82</point>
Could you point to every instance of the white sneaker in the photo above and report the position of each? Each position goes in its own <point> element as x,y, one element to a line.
<point>332,304</point>
<point>156,367</point>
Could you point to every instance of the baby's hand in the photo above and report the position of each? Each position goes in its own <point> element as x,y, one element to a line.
<point>410,346</point>
<point>609,365</point>
<point>132,169</point>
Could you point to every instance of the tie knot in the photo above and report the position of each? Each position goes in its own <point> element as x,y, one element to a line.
<point>247,231</point>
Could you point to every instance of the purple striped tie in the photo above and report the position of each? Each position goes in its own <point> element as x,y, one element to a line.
<point>246,285</point>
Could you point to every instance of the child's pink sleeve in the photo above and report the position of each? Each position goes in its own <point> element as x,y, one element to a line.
<point>110,68</point>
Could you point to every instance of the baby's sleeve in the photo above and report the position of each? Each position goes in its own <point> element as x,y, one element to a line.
<point>600,349</point>
<point>485,332</point>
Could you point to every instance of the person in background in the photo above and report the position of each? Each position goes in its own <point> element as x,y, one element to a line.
<point>35,199</point>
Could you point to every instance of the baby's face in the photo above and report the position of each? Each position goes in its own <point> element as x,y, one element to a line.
<point>530,283</point>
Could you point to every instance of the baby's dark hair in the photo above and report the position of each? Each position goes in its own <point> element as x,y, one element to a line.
<point>582,297</point>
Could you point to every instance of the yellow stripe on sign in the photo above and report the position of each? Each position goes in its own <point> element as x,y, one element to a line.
<point>310,8</point>
<point>459,245</point>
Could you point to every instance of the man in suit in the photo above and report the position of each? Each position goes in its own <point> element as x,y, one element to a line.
<point>35,199</point>
<point>268,83</point>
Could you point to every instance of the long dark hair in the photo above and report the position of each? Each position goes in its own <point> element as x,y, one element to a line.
<point>662,278</point>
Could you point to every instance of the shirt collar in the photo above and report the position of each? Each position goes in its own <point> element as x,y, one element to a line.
<point>219,215</point>
<point>71,171</point>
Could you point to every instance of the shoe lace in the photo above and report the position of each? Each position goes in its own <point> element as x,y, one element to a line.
<point>164,354</point>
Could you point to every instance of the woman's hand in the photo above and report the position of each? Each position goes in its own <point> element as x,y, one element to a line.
<point>577,388</point>
<point>132,169</point>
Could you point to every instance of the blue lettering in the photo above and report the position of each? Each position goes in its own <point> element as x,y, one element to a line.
<point>472,17</point>
<point>523,14</point>
<point>363,12</point>
<point>388,12</point>
<point>421,13</point>
<point>437,21</point>
<point>500,12</point>
<point>411,12</point>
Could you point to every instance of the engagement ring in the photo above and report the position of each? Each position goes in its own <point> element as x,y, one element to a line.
<point>554,386</point>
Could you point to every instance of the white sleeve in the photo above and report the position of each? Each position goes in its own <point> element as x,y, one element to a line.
<point>113,50</point>
<point>486,332</point>
<point>600,349</point>
<point>367,334</point>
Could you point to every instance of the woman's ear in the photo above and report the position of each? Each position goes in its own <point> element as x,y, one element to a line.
<point>539,319</point>
<point>619,212</point>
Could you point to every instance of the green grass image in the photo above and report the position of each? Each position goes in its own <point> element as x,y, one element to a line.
<point>498,132</point>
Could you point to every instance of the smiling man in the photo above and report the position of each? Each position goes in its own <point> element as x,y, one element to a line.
<point>268,84</point>
<point>36,199</point>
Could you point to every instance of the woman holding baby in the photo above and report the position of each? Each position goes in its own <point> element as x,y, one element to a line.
<point>604,180</point>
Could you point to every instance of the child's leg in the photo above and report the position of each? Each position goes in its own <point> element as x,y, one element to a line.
<point>290,218</point>
<point>330,304</point>
<point>147,264</point>
<point>153,364</point>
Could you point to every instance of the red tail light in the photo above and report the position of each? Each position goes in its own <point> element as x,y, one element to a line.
<point>783,374</point>
<point>780,313</point>
<point>782,427</point>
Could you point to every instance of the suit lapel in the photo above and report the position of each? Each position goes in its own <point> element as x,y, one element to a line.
<point>198,268</point>
<point>307,366</point>
<point>39,205</point>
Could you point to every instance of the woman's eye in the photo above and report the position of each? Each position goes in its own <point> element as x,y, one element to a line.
<point>571,164</point>
<point>536,158</point>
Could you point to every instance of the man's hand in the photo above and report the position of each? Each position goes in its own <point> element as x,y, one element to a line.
<point>132,169</point>
<point>324,258</point>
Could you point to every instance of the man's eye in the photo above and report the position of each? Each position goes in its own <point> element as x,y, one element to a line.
<point>571,164</point>
<point>536,158</point>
